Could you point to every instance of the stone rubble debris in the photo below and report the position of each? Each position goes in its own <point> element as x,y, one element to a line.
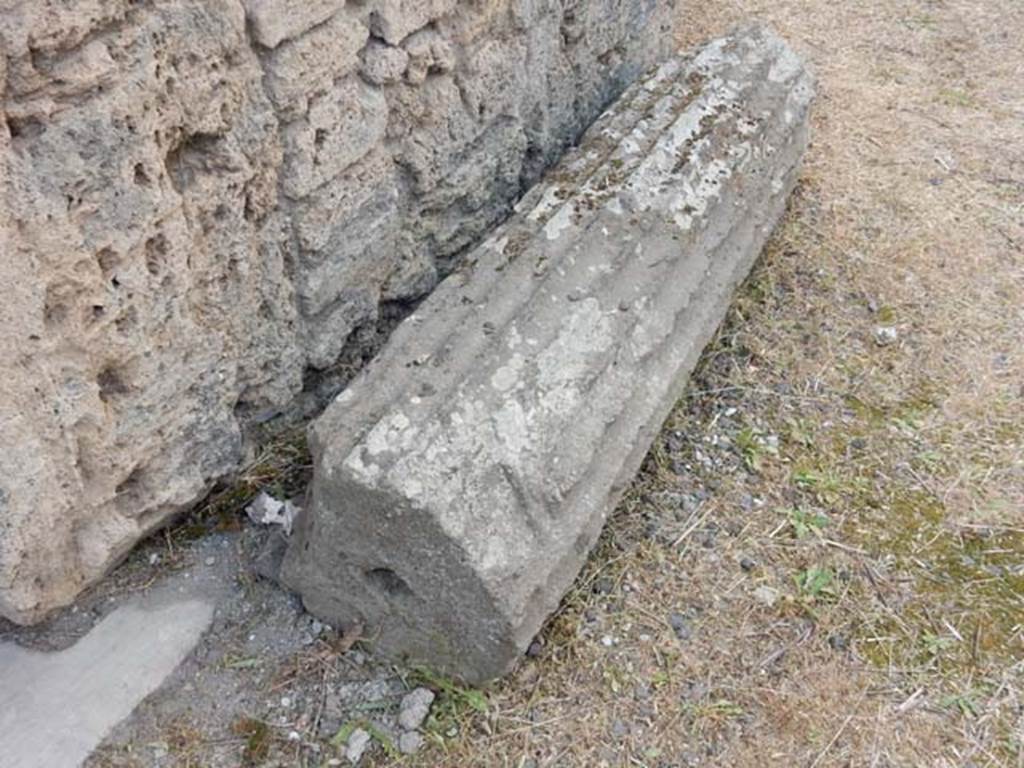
<point>266,510</point>
<point>358,742</point>
<point>414,708</point>
<point>410,742</point>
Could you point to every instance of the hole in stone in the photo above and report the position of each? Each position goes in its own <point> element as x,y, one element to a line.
<point>388,582</point>
<point>376,25</point>
<point>111,383</point>
<point>95,314</point>
<point>141,177</point>
<point>250,213</point>
<point>24,127</point>
<point>156,252</point>
<point>108,261</point>
<point>194,154</point>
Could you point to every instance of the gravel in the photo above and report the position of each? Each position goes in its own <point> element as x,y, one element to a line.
<point>414,708</point>
<point>409,742</point>
<point>358,742</point>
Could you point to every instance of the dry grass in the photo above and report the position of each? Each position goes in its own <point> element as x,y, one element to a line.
<point>875,493</point>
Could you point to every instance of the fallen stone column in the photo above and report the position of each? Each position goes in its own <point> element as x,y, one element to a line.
<point>462,478</point>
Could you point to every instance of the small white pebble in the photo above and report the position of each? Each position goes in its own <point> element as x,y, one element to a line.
<point>211,560</point>
<point>886,335</point>
<point>409,742</point>
<point>294,736</point>
<point>358,741</point>
<point>414,708</point>
<point>607,641</point>
<point>766,595</point>
<point>286,702</point>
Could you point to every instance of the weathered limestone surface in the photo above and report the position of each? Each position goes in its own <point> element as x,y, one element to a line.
<point>462,478</point>
<point>204,201</point>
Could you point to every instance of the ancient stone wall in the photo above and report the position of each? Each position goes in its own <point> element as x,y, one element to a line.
<point>204,199</point>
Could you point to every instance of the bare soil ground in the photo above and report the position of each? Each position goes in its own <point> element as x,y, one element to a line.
<point>822,561</point>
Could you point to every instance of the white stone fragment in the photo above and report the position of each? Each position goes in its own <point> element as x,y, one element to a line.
<point>266,510</point>
<point>358,742</point>
<point>414,708</point>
